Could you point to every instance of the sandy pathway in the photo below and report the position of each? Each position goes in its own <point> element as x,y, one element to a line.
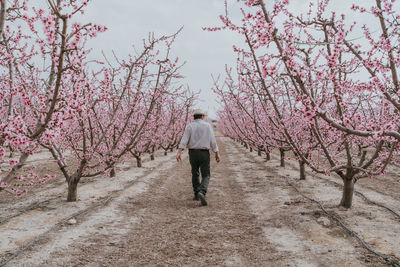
<point>253,219</point>
<point>170,228</point>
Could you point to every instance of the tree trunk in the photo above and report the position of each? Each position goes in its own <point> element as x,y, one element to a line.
<point>172,150</point>
<point>282,153</point>
<point>251,149</point>
<point>165,153</point>
<point>245,145</point>
<point>348,190</point>
<point>151,156</point>
<point>302,165</point>
<point>259,153</point>
<point>139,162</point>
<point>72,190</point>
<point>268,156</point>
<point>112,173</point>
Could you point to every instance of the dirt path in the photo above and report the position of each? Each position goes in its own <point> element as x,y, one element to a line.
<point>164,226</point>
<point>253,219</point>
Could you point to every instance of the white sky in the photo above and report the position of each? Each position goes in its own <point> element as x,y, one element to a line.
<point>205,53</point>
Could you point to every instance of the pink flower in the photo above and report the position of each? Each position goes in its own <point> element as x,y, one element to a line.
<point>13,162</point>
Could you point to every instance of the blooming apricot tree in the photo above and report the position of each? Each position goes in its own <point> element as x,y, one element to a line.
<point>88,117</point>
<point>117,110</point>
<point>40,57</point>
<point>328,95</point>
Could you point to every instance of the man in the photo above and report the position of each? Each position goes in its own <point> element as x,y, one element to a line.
<point>199,138</point>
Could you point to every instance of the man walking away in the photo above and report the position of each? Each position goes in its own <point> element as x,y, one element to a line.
<point>199,138</point>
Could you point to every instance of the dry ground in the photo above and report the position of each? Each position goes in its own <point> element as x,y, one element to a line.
<point>254,218</point>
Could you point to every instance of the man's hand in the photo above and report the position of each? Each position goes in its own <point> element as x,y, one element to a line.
<point>217,157</point>
<point>178,155</point>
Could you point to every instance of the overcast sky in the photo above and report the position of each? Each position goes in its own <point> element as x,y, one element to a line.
<point>206,53</point>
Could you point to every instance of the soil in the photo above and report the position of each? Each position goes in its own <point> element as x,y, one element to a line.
<point>254,218</point>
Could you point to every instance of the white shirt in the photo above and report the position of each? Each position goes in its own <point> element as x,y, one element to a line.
<point>198,135</point>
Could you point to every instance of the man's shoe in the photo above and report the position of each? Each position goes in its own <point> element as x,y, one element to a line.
<point>202,199</point>
<point>196,197</point>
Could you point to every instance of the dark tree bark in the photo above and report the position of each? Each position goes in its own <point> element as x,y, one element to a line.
<point>72,190</point>
<point>152,154</point>
<point>302,166</point>
<point>139,162</point>
<point>348,190</point>
<point>282,154</point>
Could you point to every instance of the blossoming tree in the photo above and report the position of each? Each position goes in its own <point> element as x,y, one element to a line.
<point>88,114</point>
<point>39,57</point>
<point>314,78</point>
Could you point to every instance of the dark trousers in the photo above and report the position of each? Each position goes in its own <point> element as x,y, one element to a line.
<point>200,160</point>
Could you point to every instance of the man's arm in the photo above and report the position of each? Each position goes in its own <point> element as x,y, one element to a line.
<point>214,145</point>
<point>178,156</point>
<point>217,157</point>
<point>183,143</point>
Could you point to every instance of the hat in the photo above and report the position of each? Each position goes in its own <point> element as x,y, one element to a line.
<point>198,112</point>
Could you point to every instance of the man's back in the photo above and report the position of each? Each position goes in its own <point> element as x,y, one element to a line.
<point>199,135</point>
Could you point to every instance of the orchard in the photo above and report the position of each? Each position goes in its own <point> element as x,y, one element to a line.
<point>303,98</point>
<point>306,87</point>
<point>52,98</point>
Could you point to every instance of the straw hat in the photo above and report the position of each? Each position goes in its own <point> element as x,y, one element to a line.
<point>199,112</point>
